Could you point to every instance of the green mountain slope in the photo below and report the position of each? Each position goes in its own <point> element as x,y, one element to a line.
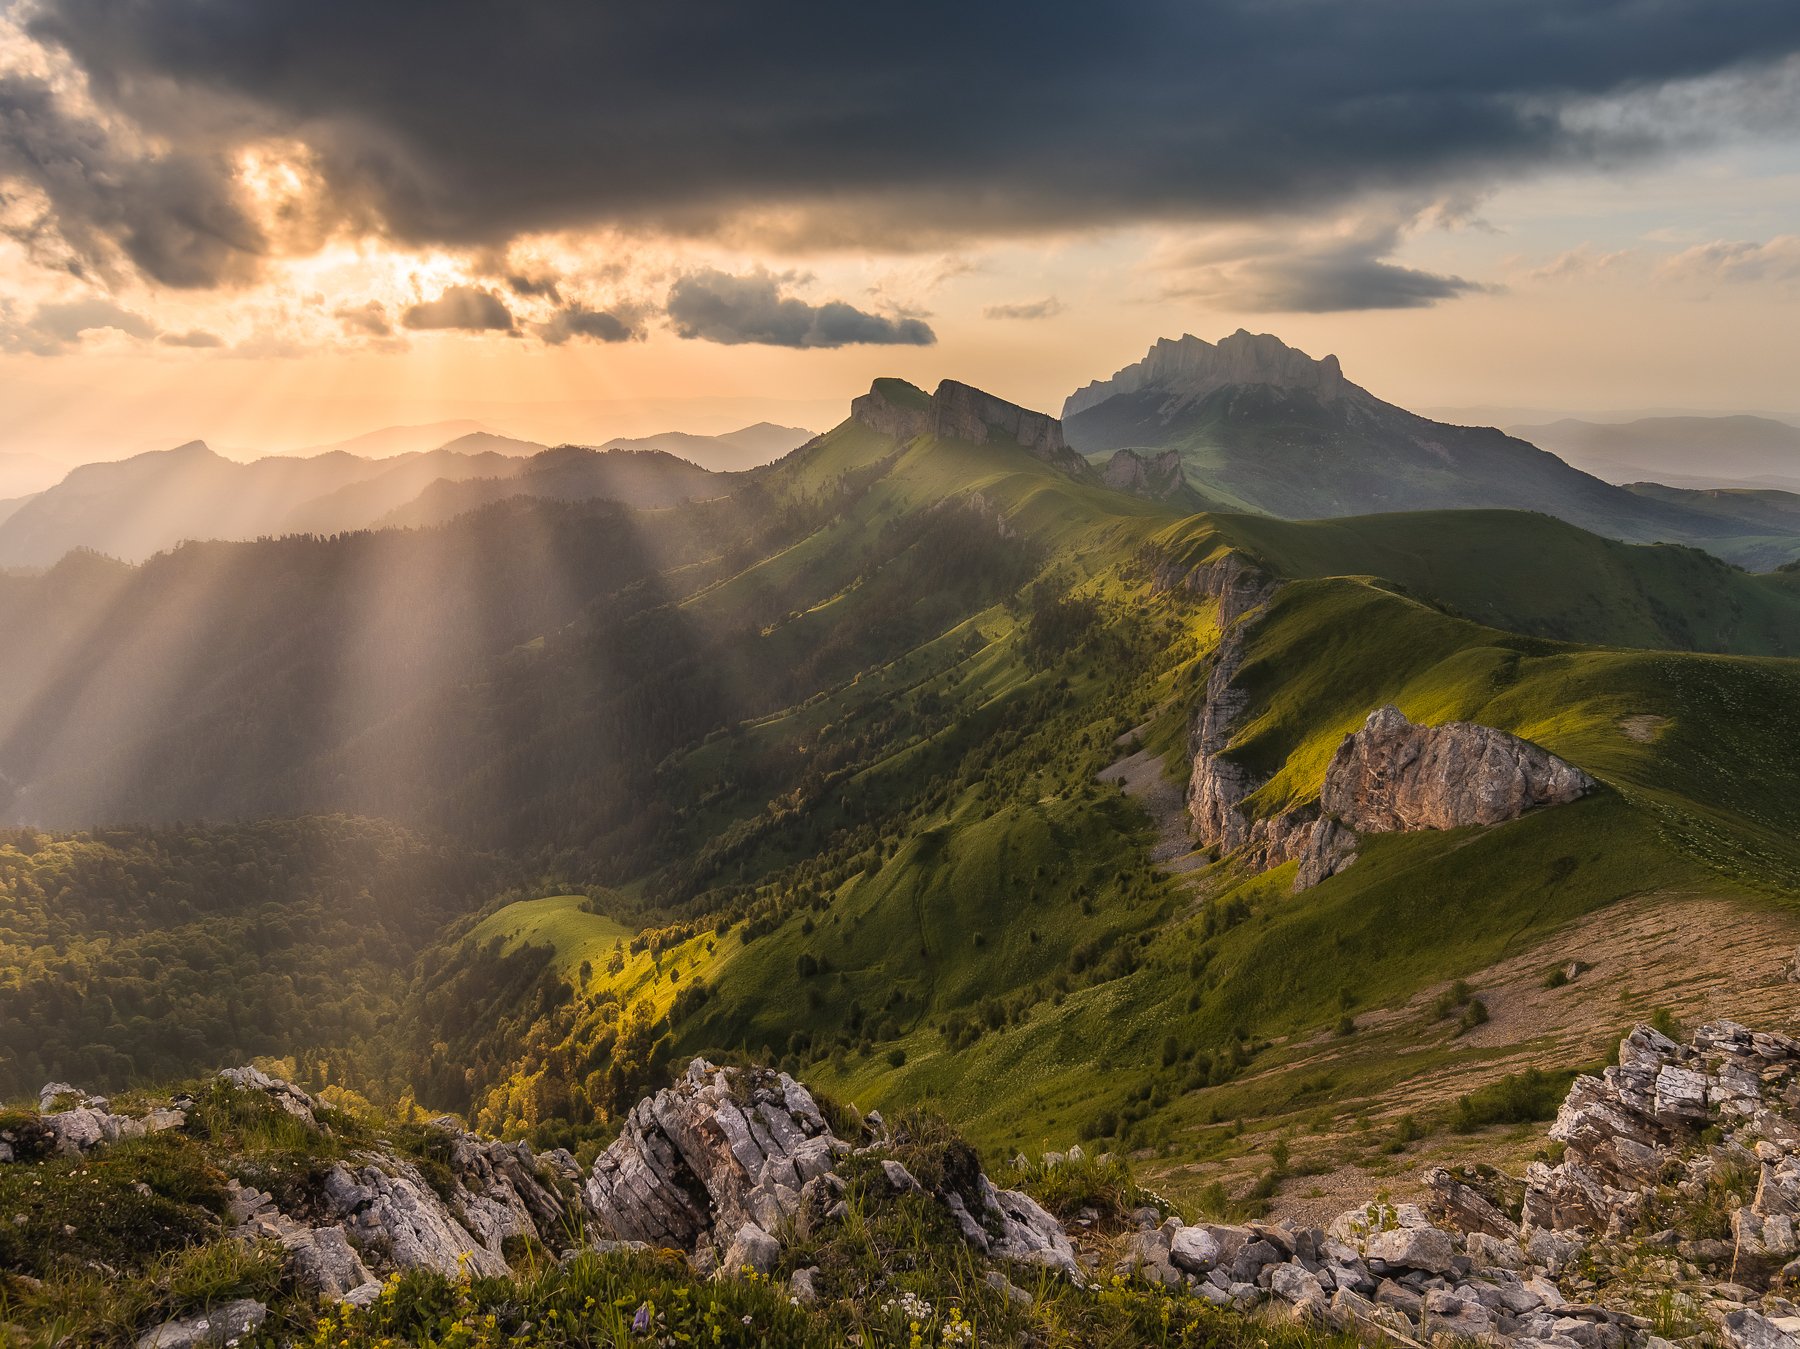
<point>829,771</point>
<point>1526,573</point>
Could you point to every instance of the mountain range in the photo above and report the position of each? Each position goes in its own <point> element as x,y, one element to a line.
<point>935,763</point>
<point>134,507</point>
<point>1261,426</point>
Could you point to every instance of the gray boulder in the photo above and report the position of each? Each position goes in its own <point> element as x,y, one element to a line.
<point>219,1326</point>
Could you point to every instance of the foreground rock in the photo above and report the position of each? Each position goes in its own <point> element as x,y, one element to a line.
<point>224,1325</point>
<point>1595,1252</point>
<point>726,1166</point>
<point>728,1158</point>
<point>344,1226</point>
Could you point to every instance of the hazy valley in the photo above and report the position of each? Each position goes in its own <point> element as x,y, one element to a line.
<point>1241,778</point>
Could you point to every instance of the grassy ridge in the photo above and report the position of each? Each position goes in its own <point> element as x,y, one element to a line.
<point>1527,573</point>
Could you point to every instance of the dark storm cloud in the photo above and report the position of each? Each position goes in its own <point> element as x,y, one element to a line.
<point>175,216</point>
<point>535,287</point>
<point>462,308</point>
<point>718,307</point>
<point>596,325</point>
<point>461,122</point>
<point>1318,277</point>
<point>1331,284</point>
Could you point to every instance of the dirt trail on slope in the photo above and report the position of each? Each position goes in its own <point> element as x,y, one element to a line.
<point>1141,774</point>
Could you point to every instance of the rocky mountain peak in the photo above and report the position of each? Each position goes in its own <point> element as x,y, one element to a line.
<point>958,411</point>
<point>1189,367</point>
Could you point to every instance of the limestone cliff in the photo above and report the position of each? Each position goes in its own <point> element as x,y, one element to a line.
<point>1389,776</point>
<point>1155,477</point>
<point>1190,368</point>
<point>959,411</point>
<point>1392,776</point>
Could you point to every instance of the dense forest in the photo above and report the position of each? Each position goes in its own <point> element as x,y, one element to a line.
<point>135,955</point>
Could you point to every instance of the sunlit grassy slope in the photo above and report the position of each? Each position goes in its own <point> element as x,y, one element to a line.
<point>1527,573</point>
<point>575,934</point>
<point>963,912</point>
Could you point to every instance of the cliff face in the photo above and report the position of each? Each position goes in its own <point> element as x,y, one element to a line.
<point>961,412</point>
<point>1392,776</point>
<point>1190,368</point>
<point>894,408</point>
<point>1156,477</point>
<point>1389,776</point>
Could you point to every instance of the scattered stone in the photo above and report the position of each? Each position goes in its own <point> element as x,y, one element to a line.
<point>1426,1248</point>
<point>220,1326</point>
<point>751,1248</point>
<point>803,1286</point>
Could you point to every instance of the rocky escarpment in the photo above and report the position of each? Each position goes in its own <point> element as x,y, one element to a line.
<point>1188,368</point>
<point>1388,776</point>
<point>1156,477</point>
<point>1218,785</point>
<point>1669,1219</point>
<point>1393,775</point>
<point>959,411</point>
<point>726,1161</point>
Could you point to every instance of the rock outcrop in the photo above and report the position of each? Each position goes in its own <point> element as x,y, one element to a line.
<point>710,1156</point>
<point>1233,580</point>
<point>959,411</point>
<point>1388,776</point>
<point>1185,369</point>
<point>1155,477</point>
<point>726,1160</point>
<point>376,1211</point>
<point>1637,1128</point>
<point>1571,1257</point>
<point>892,407</point>
<point>1393,776</point>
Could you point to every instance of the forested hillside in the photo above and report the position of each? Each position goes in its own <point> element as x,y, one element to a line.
<point>874,769</point>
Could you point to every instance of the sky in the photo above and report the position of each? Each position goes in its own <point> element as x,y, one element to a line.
<point>273,225</point>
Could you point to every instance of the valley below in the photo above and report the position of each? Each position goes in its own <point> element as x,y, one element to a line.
<point>943,863</point>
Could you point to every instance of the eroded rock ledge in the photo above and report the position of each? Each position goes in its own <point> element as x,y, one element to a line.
<point>1393,775</point>
<point>725,1160</point>
<point>1389,776</point>
<point>959,411</point>
<point>1603,1250</point>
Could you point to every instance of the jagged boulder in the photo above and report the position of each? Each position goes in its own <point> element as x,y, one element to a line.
<point>718,1150</point>
<point>719,1163</point>
<point>389,1209</point>
<point>1393,775</point>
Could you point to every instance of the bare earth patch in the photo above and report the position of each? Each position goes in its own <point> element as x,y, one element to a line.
<point>1643,728</point>
<point>1701,959</point>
